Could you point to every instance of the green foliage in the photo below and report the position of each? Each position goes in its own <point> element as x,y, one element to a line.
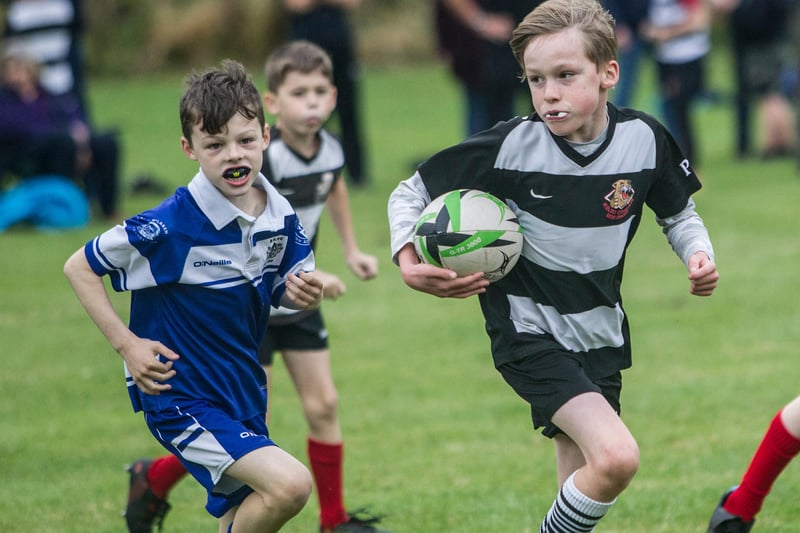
<point>434,438</point>
<point>130,37</point>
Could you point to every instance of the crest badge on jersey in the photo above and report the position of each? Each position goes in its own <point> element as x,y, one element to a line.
<point>152,230</point>
<point>618,201</point>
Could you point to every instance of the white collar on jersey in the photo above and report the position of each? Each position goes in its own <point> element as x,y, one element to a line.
<point>219,210</point>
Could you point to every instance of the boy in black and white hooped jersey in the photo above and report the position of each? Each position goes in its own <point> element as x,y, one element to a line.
<point>578,172</point>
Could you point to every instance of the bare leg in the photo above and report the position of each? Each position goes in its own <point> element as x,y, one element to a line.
<point>595,433</point>
<point>313,380</point>
<point>281,486</point>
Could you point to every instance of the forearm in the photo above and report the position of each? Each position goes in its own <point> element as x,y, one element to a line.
<point>468,12</point>
<point>304,6</point>
<point>91,292</point>
<point>406,203</point>
<point>686,233</point>
<point>338,204</point>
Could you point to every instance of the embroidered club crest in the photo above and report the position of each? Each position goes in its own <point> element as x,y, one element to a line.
<point>618,201</point>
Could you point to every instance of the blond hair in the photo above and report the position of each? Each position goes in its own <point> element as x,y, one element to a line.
<point>553,16</point>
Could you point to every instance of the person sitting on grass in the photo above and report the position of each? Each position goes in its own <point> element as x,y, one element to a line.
<point>46,134</point>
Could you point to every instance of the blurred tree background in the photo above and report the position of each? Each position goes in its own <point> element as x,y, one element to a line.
<point>142,36</point>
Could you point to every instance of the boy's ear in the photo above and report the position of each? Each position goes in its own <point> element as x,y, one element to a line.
<point>610,75</point>
<point>187,149</point>
<point>271,102</point>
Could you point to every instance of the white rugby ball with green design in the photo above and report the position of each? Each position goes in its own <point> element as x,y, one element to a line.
<point>469,231</point>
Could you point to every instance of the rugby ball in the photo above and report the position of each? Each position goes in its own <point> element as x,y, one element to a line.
<point>469,231</point>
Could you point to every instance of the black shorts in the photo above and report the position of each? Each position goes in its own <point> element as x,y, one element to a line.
<point>547,380</point>
<point>304,334</point>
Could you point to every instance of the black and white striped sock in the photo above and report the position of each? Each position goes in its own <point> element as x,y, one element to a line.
<point>573,512</point>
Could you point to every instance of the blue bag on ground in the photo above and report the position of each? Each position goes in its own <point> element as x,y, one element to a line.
<point>45,202</point>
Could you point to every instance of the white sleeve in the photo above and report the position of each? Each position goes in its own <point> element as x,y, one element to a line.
<point>406,203</point>
<point>686,233</point>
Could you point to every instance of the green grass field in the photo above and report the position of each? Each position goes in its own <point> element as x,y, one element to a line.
<point>435,439</point>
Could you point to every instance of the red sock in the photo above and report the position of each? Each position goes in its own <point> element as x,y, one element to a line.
<point>326,467</point>
<point>164,473</point>
<point>777,449</point>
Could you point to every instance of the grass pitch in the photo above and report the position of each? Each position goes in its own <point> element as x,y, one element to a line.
<point>434,438</point>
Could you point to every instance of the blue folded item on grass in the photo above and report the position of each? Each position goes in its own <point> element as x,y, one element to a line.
<point>45,202</point>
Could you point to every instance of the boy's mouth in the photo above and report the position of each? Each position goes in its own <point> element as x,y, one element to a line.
<point>236,173</point>
<point>556,114</point>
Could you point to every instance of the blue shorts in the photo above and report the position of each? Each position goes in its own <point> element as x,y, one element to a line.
<point>207,441</point>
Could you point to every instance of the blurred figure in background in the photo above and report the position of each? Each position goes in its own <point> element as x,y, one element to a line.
<point>473,38</point>
<point>50,31</point>
<point>43,133</point>
<point>628,15</point>
<point>680,32</point>
<point>326,24</point>
<point>765,73</point>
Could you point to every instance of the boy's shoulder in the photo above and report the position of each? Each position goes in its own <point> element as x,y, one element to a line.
<point>626,114</point>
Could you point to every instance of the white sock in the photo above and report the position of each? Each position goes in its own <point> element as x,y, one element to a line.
<point>573,511</point>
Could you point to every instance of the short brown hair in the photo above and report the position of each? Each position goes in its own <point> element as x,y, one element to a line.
<point>296,56</point>
<point>552,16</point>
<point>216,95</point>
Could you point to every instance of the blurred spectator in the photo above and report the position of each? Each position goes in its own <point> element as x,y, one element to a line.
<point>51,32</point>
<point>43,133</point>
<point>628,16</point>
<point>681,36</point>
<point>473,39</point>
<point>325,23</point>
<point>765,72</point>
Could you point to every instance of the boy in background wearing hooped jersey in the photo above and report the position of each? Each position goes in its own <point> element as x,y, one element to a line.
<point>305,163</point>
<point>204,268</point>
<point>578,173</point>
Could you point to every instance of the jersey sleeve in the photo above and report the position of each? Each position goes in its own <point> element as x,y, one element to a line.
<point>467,165</point>
<point>675,180</point>
<point>298,257</point>
<point>138,254</point>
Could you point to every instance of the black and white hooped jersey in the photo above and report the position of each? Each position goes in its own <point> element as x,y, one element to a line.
<point>305,182</point>
<point>203,275</point>
<point>578,214</point>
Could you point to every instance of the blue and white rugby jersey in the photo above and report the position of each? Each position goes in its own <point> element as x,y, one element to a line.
<point>578,213</point>
<point>306,183</point>
<point>202,276</point>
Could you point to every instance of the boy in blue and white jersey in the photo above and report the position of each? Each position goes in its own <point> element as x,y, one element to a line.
<point>305,163</point>
<point>578,173</point>
<point>203,269</point>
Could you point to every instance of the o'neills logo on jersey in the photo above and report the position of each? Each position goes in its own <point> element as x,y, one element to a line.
<point>618,201</point>
<point>212,262</point>
<point>152,230</point>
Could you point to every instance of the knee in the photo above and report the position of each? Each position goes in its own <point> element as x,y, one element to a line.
<point>618,464</point>
<point>293,493</point>
<point>322,408</point>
